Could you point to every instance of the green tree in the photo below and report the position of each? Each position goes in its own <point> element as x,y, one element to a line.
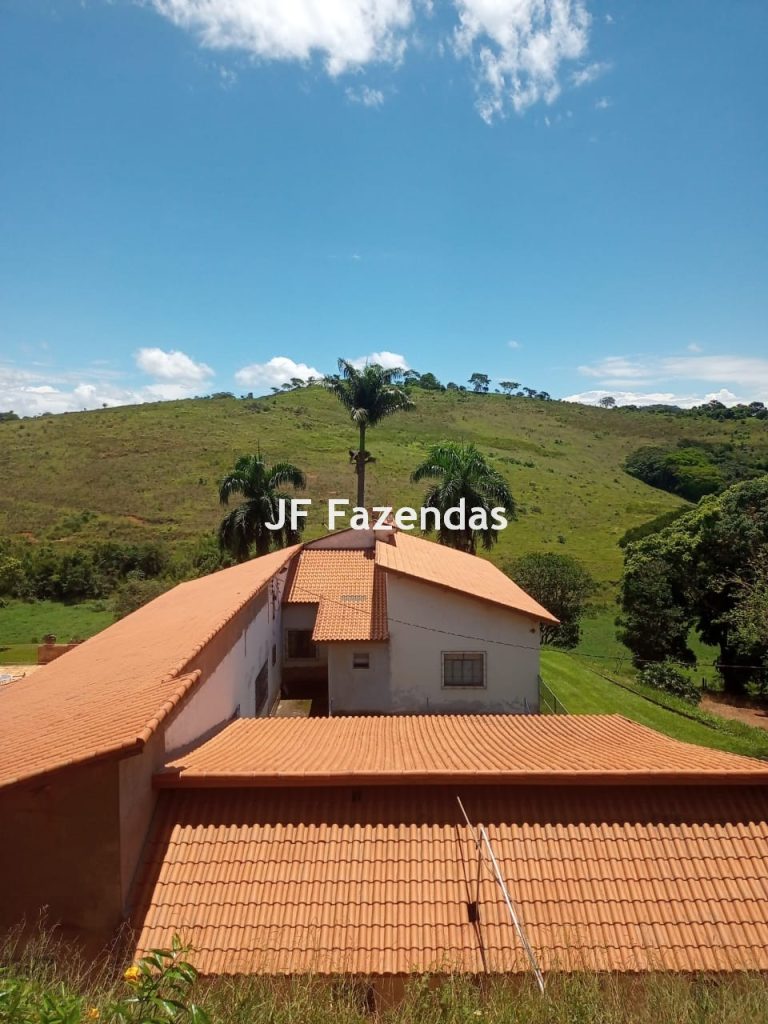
<point>480,382</point>
<point>562,585</point>
<point>370,394</point>
<point>429,382</point>
<point>259,484</point>
<point>508,386</point>
<point>608,402</point>
<point>696,573</point>
<point>749,619</point>
<point>462,472</point>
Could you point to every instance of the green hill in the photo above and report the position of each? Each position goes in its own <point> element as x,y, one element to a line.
<point>150,472</point>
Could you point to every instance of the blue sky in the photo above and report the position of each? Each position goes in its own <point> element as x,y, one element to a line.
<point>203,195</point>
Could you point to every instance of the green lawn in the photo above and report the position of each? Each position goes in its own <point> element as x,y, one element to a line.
<point>24,623</point>
<point>18,654</point>
<point>583,691</point>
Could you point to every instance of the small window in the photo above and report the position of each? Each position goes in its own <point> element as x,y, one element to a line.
<point>274,654</point>
<point>299,645</point>
<point>463,668</point>
<point>361,659</point>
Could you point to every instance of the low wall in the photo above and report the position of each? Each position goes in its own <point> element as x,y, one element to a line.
<point>50,652</point>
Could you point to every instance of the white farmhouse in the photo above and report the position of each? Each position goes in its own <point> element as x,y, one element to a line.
<point>381,622</point>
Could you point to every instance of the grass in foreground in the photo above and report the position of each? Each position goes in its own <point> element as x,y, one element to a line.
<point>583,691</point>
<point>50,984</point>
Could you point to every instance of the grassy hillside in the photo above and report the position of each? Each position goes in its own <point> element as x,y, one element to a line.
<point>150,472</point>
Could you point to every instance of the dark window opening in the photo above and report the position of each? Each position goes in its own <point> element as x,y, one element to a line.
<point>299,644</point>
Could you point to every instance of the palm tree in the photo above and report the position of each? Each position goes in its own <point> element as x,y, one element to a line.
<point>461,471</point>
<point>258,483</point>
<point>370,394</point>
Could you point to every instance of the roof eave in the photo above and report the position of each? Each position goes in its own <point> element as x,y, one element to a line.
<point>178,779</point>
<point>543,616</point>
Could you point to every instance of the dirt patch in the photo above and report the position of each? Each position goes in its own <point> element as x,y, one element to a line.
<point>749,714</point>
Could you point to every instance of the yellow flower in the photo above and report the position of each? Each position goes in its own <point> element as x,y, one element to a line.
<point>93,1013</point>
<point>133,973</point>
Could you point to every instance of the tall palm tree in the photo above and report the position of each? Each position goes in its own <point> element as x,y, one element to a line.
<point>259,484</point>
<point>370,394</point>
<point>461,471</point>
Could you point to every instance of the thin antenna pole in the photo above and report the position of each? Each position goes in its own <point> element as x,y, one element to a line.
<point>505,891</point>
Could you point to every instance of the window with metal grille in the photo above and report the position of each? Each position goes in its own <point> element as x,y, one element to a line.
<point>361,659</point>
<point>463,668</point>
<point>299,645</point>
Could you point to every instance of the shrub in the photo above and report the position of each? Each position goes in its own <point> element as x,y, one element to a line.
<point>665,676</point>
<point>136,591</point>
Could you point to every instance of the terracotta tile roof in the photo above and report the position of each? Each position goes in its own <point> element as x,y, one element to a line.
<point>109,694</point>
<point>430,748</point>
<point>456,570</point>
<point>349,588</point>
<point>378,881</point>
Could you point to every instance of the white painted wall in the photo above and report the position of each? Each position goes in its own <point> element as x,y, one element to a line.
<point>415,661</point>
<point>356,690</point>
<point>351,539</point>
<point>301,616</point>
<point>231,684</point>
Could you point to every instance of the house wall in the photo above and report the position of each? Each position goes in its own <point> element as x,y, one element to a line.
<point>415,661</point>
<point>137,801</point>
<point>351,539</point>
<point>60,850</point>
<point>356,690</point>
<point>229,665</point>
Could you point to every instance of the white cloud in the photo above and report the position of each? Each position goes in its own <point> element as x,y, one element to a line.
<point>172,366</point>
<point>345,33</point>
<point>366,96</point>
<point>389,360</point>
<point>693,347</point>
<point>617,368</point>
<point>42,388</point>
<point>514,344</point>
<point>590,72</point>
<point>518,47</point>
<point>32,392</point>
<point>274,373</point>
<point>685,400</point>
<point>603,103</point>
<point>748,375</point>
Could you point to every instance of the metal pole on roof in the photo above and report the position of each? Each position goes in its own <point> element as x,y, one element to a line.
<point>482,839</point>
